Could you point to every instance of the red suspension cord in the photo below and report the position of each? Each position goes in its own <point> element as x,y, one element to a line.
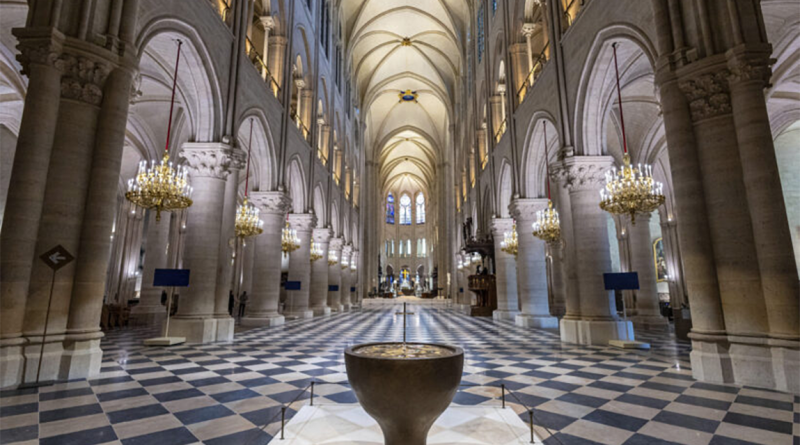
<point>172,102</point>
<point>619,99</point>
<point>546,159</point>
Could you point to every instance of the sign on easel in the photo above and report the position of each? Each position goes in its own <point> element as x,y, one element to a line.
<point>170,278</point>
<point>624,281</point>
<point>55,259</point>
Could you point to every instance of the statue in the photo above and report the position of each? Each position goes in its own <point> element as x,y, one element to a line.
<point>467,229</point>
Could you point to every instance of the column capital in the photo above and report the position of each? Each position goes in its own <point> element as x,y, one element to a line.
<point>579,173</point>
<point>238,158</point>
<point>321,235</point>
<point>83,77</point>
<point>300,83</point>
<point>524,209</point>
<point>500,226</point>
<point>37,48</point>
<point>347,250</point>
<point>335,244</point>
<point>207,159</point>
<point>303,222</point>
<point>528,29</point>
<point>747,67</point>
<point>271,202</point>
<point>708,93</point>
<point>267,22</point>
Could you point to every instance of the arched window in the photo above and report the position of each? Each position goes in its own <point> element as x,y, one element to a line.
<point>420,209</point>
<point>402,249</point>
<point>405,210</point>
<point>390,209</point>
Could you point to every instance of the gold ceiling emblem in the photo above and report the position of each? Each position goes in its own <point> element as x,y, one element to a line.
<point>406,41</point>
<point>408,96</point>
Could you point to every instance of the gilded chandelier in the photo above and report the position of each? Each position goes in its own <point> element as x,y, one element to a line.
<point>510,243</point>
<point>289,240</point>
<point>333,259</point>
<point>247,221</point>
<point>548,225</point>
<point>630,190</point>
<point>162,187</point>
<point>345,263</point>
<point>316,251</point>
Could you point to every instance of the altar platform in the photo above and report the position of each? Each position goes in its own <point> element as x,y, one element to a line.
<point>349,424</point>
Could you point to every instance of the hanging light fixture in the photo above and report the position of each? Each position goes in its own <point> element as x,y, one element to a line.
<point>247,221</point>
<point>510,244</point>
<point>547,226</point>
<point>163,186</point>
<point>333,259</point>
<point>289,240</point>
<point>629,190</point>
<point>316,251</point>
<point>345,263</point>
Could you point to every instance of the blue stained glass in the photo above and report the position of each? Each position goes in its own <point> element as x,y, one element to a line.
<point>390,209</point>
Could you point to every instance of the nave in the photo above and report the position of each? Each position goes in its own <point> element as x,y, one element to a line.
<point>232,393</point>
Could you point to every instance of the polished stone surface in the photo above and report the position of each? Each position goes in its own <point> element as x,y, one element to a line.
<point>224,393</point>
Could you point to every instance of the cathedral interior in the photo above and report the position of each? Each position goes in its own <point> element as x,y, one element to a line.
<point>205,203</point>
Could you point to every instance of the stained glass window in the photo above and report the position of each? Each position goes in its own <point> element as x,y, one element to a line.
<point>494,7</point>
<point>420,209</point>
<point>390,209</point>
<point>405,210</point>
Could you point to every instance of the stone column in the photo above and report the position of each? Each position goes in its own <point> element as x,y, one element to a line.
<point>268,23</point>
<point>308,108</point>
<point>300,84</point>
<point>648,314</point>
<point>149,311</point>
<point>262,309</point>
<point>558,283</point>
<point>344,292</point>
<point>69,178</point>
<point>335,277</point>
<point>227,246</point>
<point>319,274</point>
<point>505,273</point>
<point>277,48</point>
<point>300,267</point>
<point>567,252</point>
<point>249,253</point>
<point>354,279</point>
<point>324,135</point>
<point>527,31</point>
<point>209,164</point>
<point>776,262</point>
<point>598,321</point>
<point>496,104</point>
<point>531,267</point>
<point>40,61</point>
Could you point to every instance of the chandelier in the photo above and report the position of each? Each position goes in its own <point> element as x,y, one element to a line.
<point>162,187</point>
<point>333,259</point>
<point>630,190</point>
<point>289,240</point>
<point>247,221</point>
<point>510,244</point>
<point>345,263</point>
<point>316,251</point>
<point>547,226</point>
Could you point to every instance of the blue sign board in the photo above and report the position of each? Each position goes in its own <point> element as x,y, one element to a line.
<point>333,288</point>
<point>352,289</point>
<point>292,285</point>
<point>621,281</point>
<point>171,278</point>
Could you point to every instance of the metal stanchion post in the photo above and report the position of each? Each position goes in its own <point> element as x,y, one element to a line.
<point>530,415</point>
<point>283,418</point>
<point>312,393</point>
<point>503,389</point>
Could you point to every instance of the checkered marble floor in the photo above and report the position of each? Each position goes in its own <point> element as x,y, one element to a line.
<point>232,393</point>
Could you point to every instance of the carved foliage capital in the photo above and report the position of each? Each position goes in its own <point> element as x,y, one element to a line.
<point>37,52</point>
<point>322,235</point>
<point>347,250</point>
<point>524,210</point>
<point>708,94</point>
<point>336,244</point>
<point>207,160</point>
<point>500,226</point>
<point>744,71</point>
<point>581,173</point>
<point>272,202</point>
<point>303,222</point>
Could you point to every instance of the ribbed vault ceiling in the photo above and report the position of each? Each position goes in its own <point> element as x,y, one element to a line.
<point>399,45</point>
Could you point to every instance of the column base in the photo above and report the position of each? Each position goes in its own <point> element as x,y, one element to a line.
<point>225,325</point>
<point>786,368</point>
<point>536,321</point>
<point>266,321</point>
<point>293,315</point>
<point>321,311</point>
<point>462,308</point>
<point>81,357</point>
<point>710,359</point>
<point>195,330</point>
<point>11,361</point>
<point>595,332</point>
<point>346,307</point>
<point>51,359</point>
<point>500,314</point>
<point>337,308</point>
<point>650,322</point>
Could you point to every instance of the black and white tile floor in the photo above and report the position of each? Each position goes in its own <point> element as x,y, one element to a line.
<point>226,393</point>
